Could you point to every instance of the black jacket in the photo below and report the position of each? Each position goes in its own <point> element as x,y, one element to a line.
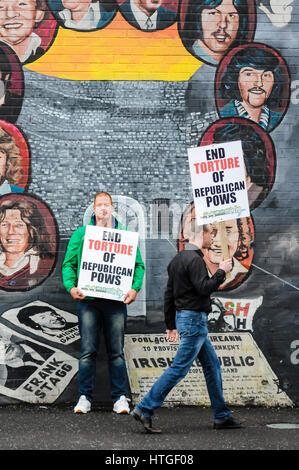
<point>189,285</point>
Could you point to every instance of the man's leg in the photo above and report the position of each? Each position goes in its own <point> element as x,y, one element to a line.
<point>212,372</point>
<point>192,327</point>
<point>88,317</point>
<point>114,324</point>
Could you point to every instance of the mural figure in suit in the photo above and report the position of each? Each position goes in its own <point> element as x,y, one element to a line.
<point>147,15</point>
<point>83,15</point>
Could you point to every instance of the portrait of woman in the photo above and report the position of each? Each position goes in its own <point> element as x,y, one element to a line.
<point>232,239</point>
<point>27,242</point>
<point>27,27</point>
<point>14,160</point>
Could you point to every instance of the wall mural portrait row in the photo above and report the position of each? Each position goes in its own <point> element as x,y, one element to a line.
<point>208,28</point>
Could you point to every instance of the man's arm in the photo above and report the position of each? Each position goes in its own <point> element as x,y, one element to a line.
<point>169,306</point>
<point>200,279</point>
<point>138,272</point>
<point>70,266</point>
<point>137,279</point>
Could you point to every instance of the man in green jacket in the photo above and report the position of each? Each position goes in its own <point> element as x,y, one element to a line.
<point>95,314</point>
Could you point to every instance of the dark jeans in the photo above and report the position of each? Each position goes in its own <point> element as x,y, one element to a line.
<point>109,316</point>
<point>194,342</point>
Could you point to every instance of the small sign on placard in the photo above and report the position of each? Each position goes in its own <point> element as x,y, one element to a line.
<point>218,182</point>
<point>108,262</point>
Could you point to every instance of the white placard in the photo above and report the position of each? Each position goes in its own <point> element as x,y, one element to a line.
<point>218,182</point>
<point>108,262</point>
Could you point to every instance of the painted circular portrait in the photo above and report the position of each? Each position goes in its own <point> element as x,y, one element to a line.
<point>258,152</point>
<point>28,239</point>
<point>210,28</point>
<point>149,15</point>
<point>253,81</point>
<point>232,239</point>
<point>14,159</point>
<point>28,27</point>
<point>11,84</point>
<point>83,15</point>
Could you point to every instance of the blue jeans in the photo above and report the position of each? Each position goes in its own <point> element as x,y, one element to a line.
<point>109,316</point>
<point>194,343</point>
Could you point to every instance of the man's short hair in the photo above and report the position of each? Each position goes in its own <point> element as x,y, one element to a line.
<point>103,193</point>
<point>259,59</point>
<point>193,27</point>
<point>24,315</point>
<point>194,229</point>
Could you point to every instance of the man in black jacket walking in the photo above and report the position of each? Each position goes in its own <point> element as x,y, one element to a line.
<point>187,303</point>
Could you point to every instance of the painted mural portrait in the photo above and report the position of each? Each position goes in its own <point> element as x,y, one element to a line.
<point>258,152</point>
<point>209,28</point>
<point>11,84</point>
<point>228,233</point>
<point>20,359</point>
<point>253,82</point>
<point>43,318</point>
<point>227,239</point>
<point>27,242</point>
<point>83,15</point>
<point>149,15</point>
<point>45,321</point>
<point>217,318</point>
<point>13,165</point>
<point>27,26</point>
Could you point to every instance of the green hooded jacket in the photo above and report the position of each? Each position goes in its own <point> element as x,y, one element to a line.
<point>72,261</point>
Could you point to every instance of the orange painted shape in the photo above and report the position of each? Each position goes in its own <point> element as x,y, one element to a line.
<point>117,52</point>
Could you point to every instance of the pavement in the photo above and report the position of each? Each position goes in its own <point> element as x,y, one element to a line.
<point>187,431</point>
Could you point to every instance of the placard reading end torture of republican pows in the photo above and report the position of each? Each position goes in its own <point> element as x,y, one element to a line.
<point>108,262</point>
<point>218,182</point>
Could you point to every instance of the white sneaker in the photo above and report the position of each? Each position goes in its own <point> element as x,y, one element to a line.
<point>83,405</point>
<point>121,405</point>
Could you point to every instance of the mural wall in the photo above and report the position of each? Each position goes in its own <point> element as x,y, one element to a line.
<point>109,95</point>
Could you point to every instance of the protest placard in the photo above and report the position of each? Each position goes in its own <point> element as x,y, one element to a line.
<point>108,262</point>
<point>218,182</point>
